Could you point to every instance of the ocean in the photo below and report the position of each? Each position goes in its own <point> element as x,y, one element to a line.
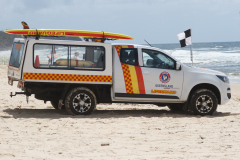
<point>221,56</point>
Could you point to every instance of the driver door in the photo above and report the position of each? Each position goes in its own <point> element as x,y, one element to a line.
<point>161,79</point>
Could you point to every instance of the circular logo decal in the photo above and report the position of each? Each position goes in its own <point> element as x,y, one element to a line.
<point>164,77</point>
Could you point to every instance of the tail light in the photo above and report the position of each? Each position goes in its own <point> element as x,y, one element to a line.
<point>21,84</point>
<point>10,81</point>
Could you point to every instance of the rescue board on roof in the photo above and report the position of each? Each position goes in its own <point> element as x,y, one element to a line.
<point>70,33</point>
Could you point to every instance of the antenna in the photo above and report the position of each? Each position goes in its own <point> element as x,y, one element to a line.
<point>147,42</point>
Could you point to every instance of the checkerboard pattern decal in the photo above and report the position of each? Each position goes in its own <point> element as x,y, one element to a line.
<point>127,78</point>
<point>126,71</point>
<point>67,77</point>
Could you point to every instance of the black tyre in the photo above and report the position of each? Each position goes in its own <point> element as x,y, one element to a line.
<point>176,107</point>
<point>203,102</point>
<point>54,104</point>
<point>80,101</point>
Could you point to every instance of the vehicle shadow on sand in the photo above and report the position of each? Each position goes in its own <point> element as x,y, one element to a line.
<point>57,114</point>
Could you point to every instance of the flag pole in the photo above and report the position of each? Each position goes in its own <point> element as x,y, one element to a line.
<point>191,55</point>
<point>191,48</point>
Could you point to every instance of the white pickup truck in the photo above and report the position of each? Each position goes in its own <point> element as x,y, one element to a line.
<point>78,75</point>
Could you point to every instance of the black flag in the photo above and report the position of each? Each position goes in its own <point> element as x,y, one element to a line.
<point>185,38</point>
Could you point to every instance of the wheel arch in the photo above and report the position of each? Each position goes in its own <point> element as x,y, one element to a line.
<point>208,86</point>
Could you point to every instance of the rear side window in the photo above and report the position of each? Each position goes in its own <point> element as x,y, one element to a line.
<point>129,56</point>
<point>69,57</point>
<point>87,57</point>
<point>16,55</point>
<point>46,56</point>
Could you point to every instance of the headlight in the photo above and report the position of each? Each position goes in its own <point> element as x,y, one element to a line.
<point>223,78</point>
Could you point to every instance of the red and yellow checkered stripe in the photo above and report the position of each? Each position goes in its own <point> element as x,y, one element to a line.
<point>132,75</point>
<point>127,78</point>
<point>126,71</point>
<point>67,77</point>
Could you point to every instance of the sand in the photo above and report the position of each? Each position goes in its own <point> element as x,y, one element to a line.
<point>37,131</point>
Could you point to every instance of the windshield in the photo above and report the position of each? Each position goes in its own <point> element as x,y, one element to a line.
<point>16,55</point>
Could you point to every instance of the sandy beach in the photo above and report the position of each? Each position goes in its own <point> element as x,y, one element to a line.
<point>38,131</point>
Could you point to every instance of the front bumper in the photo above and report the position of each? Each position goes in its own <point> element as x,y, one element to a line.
<point>226,93</point>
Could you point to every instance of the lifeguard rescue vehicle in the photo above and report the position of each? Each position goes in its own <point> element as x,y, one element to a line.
<point>78,75</point>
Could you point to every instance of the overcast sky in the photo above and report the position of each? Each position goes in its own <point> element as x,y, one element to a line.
<point>158,21</point>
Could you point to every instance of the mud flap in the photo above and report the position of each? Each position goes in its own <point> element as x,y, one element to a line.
<point>64,92</point>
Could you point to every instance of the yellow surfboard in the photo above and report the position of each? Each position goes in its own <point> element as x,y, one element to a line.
<point>71,33</point>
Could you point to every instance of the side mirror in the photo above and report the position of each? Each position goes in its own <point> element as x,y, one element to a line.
<point>178,66</point>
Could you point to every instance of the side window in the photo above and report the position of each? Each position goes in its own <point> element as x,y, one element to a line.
<point>50,56</point>
<point>155,59</point>
<point>87,57</point>
<point>129,56</point>
<point>16,55</point>
<point>68,57</point>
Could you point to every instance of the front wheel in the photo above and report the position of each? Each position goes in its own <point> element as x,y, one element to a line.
<point>80,101</point>
<point>203,102</point>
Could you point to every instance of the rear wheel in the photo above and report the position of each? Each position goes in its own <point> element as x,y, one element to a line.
<point>203,102</point>
<point>80,101</point>
<point>54,104</point>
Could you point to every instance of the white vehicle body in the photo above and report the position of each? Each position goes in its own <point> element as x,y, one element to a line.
<point>114,73</point>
